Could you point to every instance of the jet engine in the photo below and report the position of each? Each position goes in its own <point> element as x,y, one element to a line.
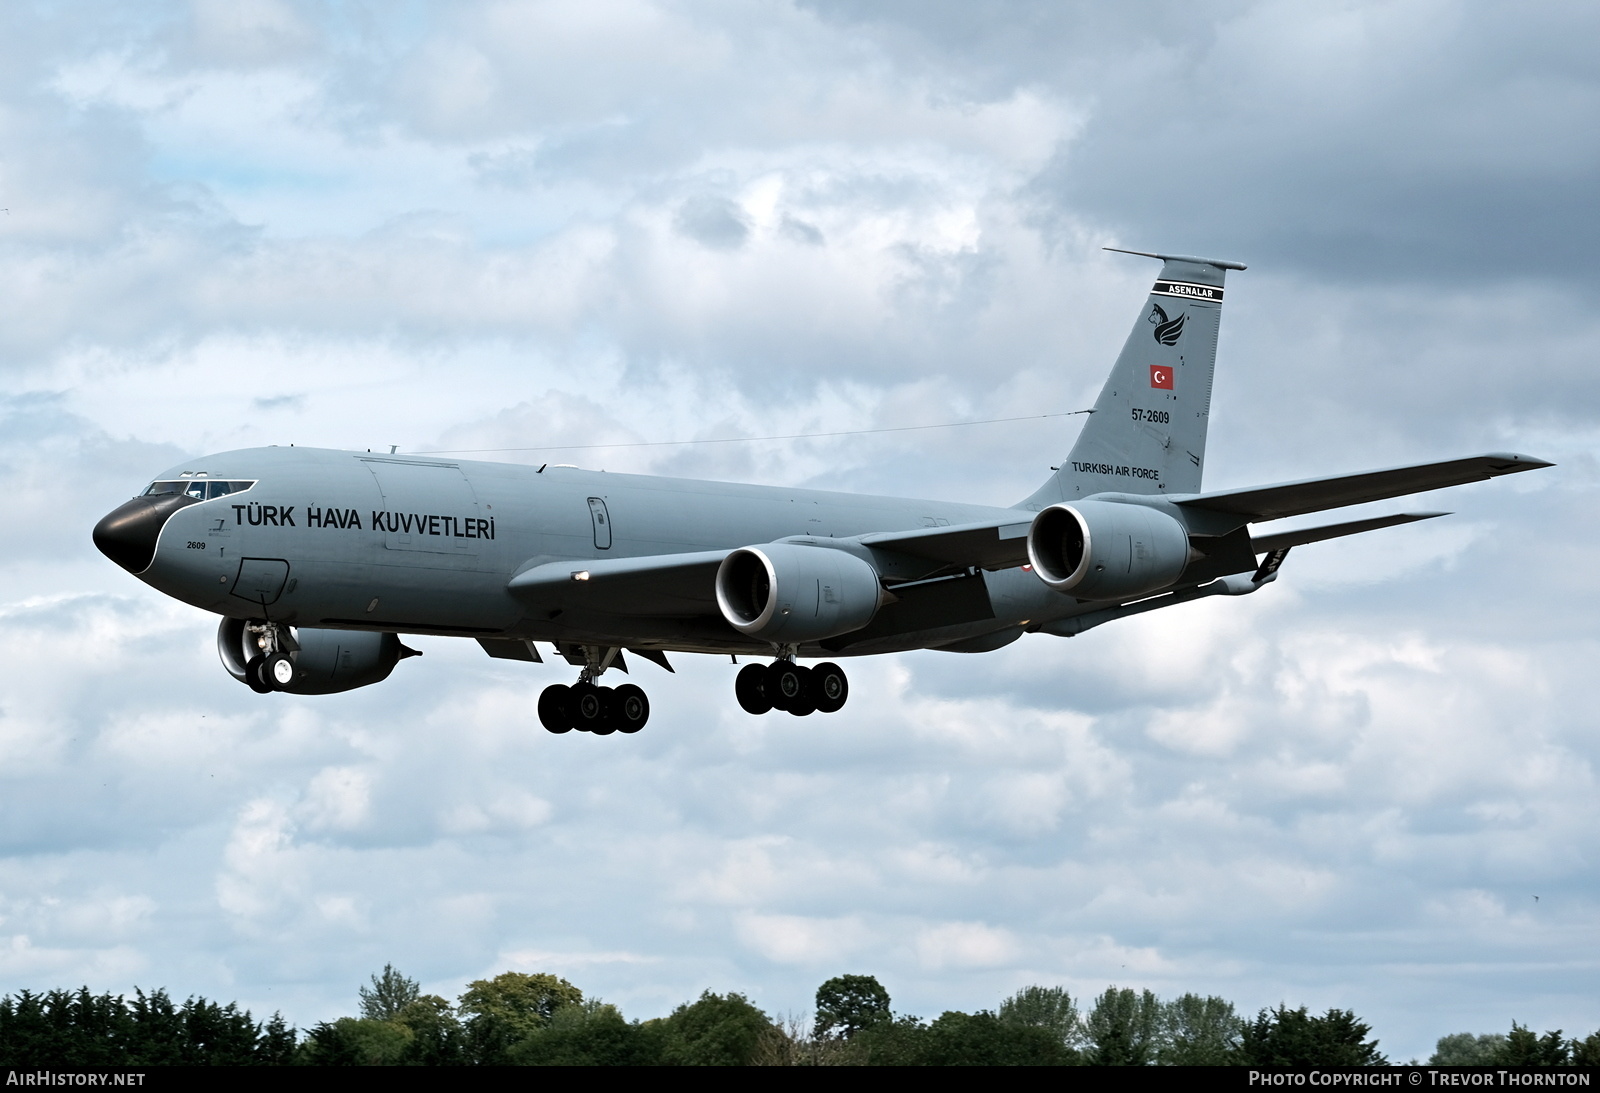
<point>1103,550</point>
<point>327,662</point>
<point>789,593</point>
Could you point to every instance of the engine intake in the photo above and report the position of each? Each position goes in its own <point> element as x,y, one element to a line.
<point>787,592</point>
<point>1103,550</point>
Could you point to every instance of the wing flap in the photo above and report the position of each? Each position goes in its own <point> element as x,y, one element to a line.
<point>511,649</point>
<point>1282,540</point>
<point>1316,494</point>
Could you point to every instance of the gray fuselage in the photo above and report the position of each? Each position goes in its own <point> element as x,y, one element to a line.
<point>352,540</point>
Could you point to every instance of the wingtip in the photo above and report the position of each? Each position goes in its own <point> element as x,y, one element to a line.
<point>1511,462</point>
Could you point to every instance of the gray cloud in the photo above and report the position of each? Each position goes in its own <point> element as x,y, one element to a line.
<point>714,222</point>
<point>1370,141</point>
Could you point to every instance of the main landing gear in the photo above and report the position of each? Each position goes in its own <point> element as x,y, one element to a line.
<point>588,707</point>
<point>785,685</point>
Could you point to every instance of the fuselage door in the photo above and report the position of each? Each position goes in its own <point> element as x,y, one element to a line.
<point>260,580</point>
<point>427,507</point>
<point>602,523</point>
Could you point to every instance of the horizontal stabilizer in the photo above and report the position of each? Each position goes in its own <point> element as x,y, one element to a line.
<point>1220,263</point>
<point>1317,494</point>
<point>1282,540</point>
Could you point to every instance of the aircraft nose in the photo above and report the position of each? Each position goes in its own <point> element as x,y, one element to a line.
<point>128,533</point>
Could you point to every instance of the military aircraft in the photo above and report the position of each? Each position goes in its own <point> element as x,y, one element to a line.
<point>318,560</point>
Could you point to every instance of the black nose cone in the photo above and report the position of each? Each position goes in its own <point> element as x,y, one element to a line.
<point>127,535</point>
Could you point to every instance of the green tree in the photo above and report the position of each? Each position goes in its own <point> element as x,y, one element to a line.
<point>156,1036</point>
<point>714,1030</point>
<point>107,1031</point>
<point>437,1038</point>
<point>1286,1037</point>
<point>197,1033</point>
<point>1586,1052</point>
<point>278,1042</point>
<point>217,1035</point>
<point>591,1033</point>
<point>897,1041</point>
<point>391,992</point>
<point>1199,1031</point>
<point>1465,1049</point>
<point>1123,1028</point>
<point>792,1041</point>
<point>502,1011</point>
<point>846,1004</point>
<point>43,1029</point>
<point>356,1041</point>
<point>983,1039</point>
<point>1523,1047</point>
<point>1043,1007</point>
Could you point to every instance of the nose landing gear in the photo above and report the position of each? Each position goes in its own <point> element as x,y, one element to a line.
<point>272,668</point>
<point>588,707</point>
<point>785,685</point>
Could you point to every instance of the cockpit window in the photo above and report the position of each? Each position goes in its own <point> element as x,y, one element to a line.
<point>201,489</point>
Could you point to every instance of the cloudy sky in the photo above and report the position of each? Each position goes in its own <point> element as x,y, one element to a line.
<point>523,225</point>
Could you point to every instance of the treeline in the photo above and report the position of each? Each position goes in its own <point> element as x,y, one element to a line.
<point>101,1032</point>
<point>533,1020</point>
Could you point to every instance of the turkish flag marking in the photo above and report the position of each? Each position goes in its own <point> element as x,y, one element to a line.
<point>1161,376</point>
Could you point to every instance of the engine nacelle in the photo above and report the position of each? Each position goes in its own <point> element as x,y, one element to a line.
<point>789,593</point>
<point>327,662</point>
<point>1102,550</point>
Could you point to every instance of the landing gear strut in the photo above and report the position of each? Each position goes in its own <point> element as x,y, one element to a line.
<point>785,685</point>
<point>588,707</point>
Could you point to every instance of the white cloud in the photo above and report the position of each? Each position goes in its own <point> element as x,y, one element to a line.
<point>261,866</point>
<point>796,939</point>
<point>514,811</point>
<point>338,798</point>
<point>964,944</point>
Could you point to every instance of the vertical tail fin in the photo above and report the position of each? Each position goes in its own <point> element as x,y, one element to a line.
<point>1148,430</point>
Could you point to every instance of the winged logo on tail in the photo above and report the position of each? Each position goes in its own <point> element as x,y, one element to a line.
<point>1167,331</point>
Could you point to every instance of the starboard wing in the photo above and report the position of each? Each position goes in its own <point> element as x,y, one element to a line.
<point>684,585</point>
